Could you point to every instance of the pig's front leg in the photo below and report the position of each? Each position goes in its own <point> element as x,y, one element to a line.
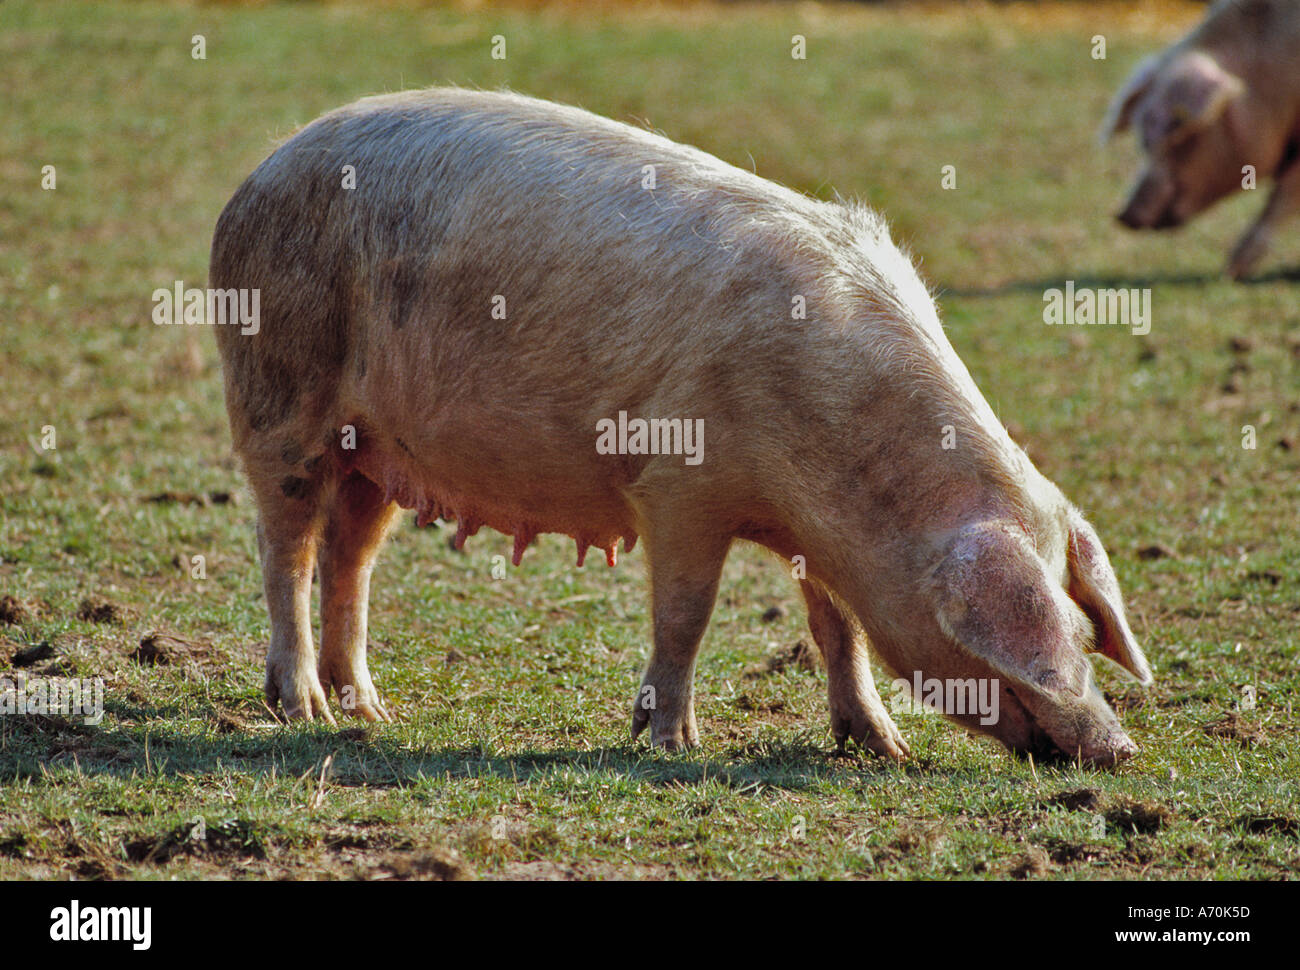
<point>355,528</point>
<point>1283,203</point>
<point>685,565</point>
<point>856,709</point>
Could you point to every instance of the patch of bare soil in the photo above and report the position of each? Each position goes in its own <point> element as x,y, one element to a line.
<point>428,865</point>
<point>1137,815</point>
<point>94,609</point>
<point>1233,727</point>
<point>164,649</point>
<point>1268,825</point>
<point>1157,550</point>
<point>543,870</point>
<point>1032,863</point>
<point>745,702</point>
<point>1127,814</point>
<point>12,612</point>
<point>919,837</point>
<point>159,649</point>
<point>230,722</point>
<point>802,656</point>
<point>1080,799</point>
<point>231,839</point>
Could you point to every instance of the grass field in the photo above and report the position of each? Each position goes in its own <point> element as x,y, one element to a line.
<point>510,757</point>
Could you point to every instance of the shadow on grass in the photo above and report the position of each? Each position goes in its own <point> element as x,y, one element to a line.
<point>33,745</point>
<point>1040,286</point>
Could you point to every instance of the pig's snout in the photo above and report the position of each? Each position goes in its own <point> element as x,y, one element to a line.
<point>1104,752</point>
<point>1151,205</point>
<point>1087,731</point>
<point>1118,747</point>
<point>1132,218</point>
<point>1129,218</point>
<point>1084,729</point>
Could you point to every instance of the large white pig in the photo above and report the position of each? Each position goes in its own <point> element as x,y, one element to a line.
<point>508,280</point>
<point>1216,112</point>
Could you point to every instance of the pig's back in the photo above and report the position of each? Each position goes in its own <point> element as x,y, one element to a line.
<point>466,203</point>
<point>464,196</point>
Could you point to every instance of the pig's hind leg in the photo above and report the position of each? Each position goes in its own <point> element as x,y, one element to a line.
<point>356,523</point>
<point>288,530</point>
<point>685,566</point>
<point>856,709</point>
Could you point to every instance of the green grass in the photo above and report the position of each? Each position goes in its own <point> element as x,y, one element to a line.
<point>510,757</point>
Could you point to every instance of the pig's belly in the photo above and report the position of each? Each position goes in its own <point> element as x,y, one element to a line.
<point>515,482</point>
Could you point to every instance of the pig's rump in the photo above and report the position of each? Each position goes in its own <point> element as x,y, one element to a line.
<point>501,279</point>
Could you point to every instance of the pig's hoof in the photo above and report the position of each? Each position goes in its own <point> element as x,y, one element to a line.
<point>894,748</point>
<point>1238,271</point>
<point>357,694</point>
<point>299,694</point>
<point>675,744</point>
<point>370,710</point>
<point>1246,256</point>
<point>671,734</point>
<point>878,735</point>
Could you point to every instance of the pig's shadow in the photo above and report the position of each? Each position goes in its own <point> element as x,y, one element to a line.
<point>1283,274</point>
<point>1040,286</point>
<point>163,740</point>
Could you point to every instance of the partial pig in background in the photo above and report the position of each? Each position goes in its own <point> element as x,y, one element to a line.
<point>451,332</point>
<point>1216,110</point>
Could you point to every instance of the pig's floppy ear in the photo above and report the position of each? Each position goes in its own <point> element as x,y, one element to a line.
<point>1093,586</point>
<point>995,599</point>
<point>1195,94</point>
<point>1120,113</point>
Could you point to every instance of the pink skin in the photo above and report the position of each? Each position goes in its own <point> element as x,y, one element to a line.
<point>386,382</point>
<point>1004,615</point>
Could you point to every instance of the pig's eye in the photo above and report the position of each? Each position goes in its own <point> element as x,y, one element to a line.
<point>1289,155</point>
<point>1169,135</point>
<point>1180,144</point>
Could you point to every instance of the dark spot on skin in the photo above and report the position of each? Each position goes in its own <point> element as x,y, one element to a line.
<point>271,398</point>
<point>404,284</point>
<point>402,444</point>
<point>312,464</point>
<point>788,389</point>
<point>358,352</point>
<point>294,487</point>
<point>290,452</point>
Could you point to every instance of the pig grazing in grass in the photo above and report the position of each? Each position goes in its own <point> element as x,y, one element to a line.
<point>463,292</point>
<point>1216,111</point>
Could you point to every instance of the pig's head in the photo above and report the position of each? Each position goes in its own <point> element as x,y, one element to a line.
<point>1016,607</point>
<point>1029,611</point>
<point>1189,113</point>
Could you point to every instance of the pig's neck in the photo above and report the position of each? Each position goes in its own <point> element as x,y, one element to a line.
<point>922,456</point>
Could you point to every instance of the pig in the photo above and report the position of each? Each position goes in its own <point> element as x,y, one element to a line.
<point>1224,97</point>
<point>460,289</point>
